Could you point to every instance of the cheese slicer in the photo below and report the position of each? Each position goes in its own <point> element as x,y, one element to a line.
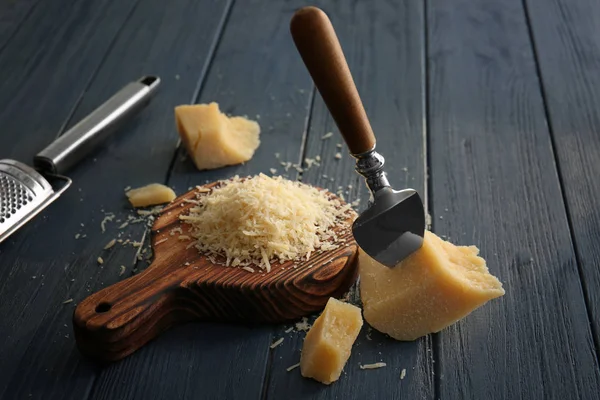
<point>394,224</point>
<point>26,191</point>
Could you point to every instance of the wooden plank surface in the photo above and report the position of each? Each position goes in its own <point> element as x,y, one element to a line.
<point>12,15</point>
<point>255,72</point>
<point>47,265</point>
<point>383,43</point>
<point>38,91</point>
<point>567,41</point>
<point>494,183</point>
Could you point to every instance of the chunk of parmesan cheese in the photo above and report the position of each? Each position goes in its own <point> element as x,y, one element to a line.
<point>214,140</point>
<point>429,290</point>
<point>150,195</point>
<point>329,342</point>
<point>261,220</point>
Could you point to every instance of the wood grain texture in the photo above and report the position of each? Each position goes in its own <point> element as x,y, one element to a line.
<point>320,49</point>
<point>12,15</point>
<point>568,52</point>
<point>182,285</point>
<point>37,68</point>
<point>46,264</point>
<point>383,43</point>
<point>494,184</point>
<point>254,72</point>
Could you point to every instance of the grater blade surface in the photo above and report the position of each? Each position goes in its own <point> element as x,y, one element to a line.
<point>23,194</point>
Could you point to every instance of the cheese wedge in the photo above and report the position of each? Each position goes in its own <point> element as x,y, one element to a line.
<point>214,140</point>
<point>329,342</point>
<point>150,195</point>
<point>431,289</point>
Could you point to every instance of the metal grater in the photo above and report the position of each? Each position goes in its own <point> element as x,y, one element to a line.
<point>25,191</point>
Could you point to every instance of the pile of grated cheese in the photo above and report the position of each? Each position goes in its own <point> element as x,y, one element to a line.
<point>261,220</point>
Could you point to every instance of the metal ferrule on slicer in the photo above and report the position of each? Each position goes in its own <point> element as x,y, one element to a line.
<point>370,166</point>
<point>392,226</point>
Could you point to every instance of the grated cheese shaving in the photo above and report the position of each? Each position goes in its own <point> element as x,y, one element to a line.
<point>292,367</point>
<point>276,343</point>
<point>109,217</point>
<point>303,325</point>
<point>373,366</point>
<point>261,220</point>
<point>110,244</point>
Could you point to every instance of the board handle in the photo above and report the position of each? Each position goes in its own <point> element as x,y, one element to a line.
<point>118,320</point>
<point>322,54</point>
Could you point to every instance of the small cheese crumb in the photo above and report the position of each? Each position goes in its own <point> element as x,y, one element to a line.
<point>122,271</point>
<point>248,269</point>
<point>403,373</point>
<point>327,135</point>
<point>288,330</point>
<point>123,225</point>
<point>150,195</point>
<point>303,325</point>
<point>110,244</point>
<point>77,235</point>
<point>276,343</point>
<point>100,260</point>
<point>173,231</point>
<point>67,301</point>
<point>184,237</point>
<point>373,366</point>
<point>107,218</point>
<point>339,145</point>
<point>338,156</point>
<point>291,367</point>
<point>273,171</point>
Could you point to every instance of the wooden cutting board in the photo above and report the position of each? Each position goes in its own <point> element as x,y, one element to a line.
<point>181,285</point>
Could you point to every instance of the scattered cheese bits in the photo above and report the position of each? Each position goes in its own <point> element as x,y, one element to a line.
<point>403,373</point>
<point>122,270</point>
<point>108,217</point>
<point>100,260</point>
<point>261,220</point>
<point>373,366</point>
<point>292,367</point>
<point>431,289</point>
<point>276,343</point>
<point>110,244</point>
<point>338,156</point>
<point>67,301</point>
<point>150,195</point>
<point>329,342</point>
<point>212,139</point>
<point>303,325</point>
<point>327,135</point>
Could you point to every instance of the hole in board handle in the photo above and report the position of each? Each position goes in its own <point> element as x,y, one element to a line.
<point>103,307</point>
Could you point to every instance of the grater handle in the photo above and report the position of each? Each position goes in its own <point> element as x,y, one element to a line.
<point>82,138</point>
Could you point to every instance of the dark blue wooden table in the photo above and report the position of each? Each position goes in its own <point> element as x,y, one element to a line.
<point>489,107</point>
